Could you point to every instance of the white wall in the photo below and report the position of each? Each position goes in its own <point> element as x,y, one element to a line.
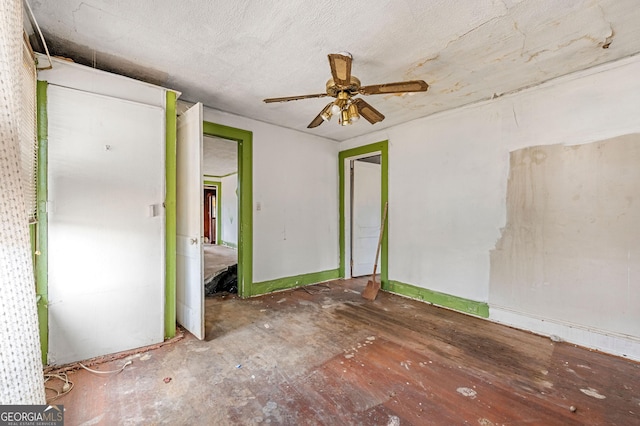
<point>229,200</point>
<point>295,182</point>
<point>448,195</point>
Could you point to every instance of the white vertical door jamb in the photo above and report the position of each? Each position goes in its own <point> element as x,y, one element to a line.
<point>189,226</point>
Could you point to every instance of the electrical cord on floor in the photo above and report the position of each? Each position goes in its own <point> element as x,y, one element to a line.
<point>68,384</point>
<point>66,388</point>
<point>106,372</point>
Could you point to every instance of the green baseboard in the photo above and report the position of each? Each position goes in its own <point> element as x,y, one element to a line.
<point>456,303</point>
<point>228,244</point>
<point>295,281</point>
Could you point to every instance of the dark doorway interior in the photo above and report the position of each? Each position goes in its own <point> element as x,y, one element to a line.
<point>210,206</point>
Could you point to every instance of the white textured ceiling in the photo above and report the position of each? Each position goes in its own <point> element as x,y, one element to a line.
<point>220,156</point>
<point>232,54</point>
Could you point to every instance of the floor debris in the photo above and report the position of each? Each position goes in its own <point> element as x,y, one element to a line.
<point>468,392</point>
<point>592,393</point>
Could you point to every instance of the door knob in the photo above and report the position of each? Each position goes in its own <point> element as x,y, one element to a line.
<point>194,241</point>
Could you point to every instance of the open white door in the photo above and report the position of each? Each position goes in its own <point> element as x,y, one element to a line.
<point>189,208</point>
<point>365,226</point>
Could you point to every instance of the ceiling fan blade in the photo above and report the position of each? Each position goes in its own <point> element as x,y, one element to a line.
<point>371,114</point>
<point>294,98</point>
<point>340,69</point>
<point>319,120</point>
<point>399,87</point>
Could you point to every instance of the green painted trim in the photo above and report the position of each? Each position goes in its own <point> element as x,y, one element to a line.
<point>42,230</point>
<point>295,281</point>
<point>218,186</point>
<point>170,215</point>
<point>220,177</point>
<point>383,148</point>
<point>33,239</point>
<point>228,244</point>
<point>456,303</point>
<point>245,199</point>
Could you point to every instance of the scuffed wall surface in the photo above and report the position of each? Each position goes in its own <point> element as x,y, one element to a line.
<point>569,250</point>
<point>446,206</point>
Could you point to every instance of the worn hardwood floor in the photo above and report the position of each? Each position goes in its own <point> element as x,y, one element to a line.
<point>322,355</point>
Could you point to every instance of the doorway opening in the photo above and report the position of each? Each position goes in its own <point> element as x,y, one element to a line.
<point>210,233</point>
<point>365,217</point>
<point>363,195</point>
<point>221,213</point>
<point>190,180</point>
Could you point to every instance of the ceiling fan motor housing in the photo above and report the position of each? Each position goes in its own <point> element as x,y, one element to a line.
<point>352,88</point>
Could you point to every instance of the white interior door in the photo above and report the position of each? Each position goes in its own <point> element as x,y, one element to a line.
<point>365,226</point>
<point>189,208</point>
<point>106,225</point>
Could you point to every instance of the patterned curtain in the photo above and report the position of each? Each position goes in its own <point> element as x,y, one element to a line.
<point>21,379</point>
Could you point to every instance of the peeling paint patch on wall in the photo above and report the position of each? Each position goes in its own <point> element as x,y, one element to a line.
<point>570,250</point>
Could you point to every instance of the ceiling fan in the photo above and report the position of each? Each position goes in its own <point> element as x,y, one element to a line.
<point>344,86</point>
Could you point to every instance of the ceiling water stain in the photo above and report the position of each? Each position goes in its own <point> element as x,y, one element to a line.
<point>85,55</point>
<point>608,40</point>
<point>456,87</point>
<point>412,71</point>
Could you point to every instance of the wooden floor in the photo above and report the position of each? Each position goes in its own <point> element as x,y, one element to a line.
<point>322,355</point>
<point>217,259</point>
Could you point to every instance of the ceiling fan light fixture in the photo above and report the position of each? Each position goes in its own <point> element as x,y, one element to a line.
<point>344,115</point>
<point>353,113</point>
<point>326,113</point>
<point>340,104</point>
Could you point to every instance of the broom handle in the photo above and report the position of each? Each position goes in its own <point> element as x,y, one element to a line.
<point>384,218</point>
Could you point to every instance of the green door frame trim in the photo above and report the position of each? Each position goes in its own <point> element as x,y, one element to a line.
<point>170,215</point>
<point>218,186</point>
<point>42,234</point>
<point>245,200</point>
<point>383,148</point>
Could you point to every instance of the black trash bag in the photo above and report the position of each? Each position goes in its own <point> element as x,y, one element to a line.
<point>226,282</point>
